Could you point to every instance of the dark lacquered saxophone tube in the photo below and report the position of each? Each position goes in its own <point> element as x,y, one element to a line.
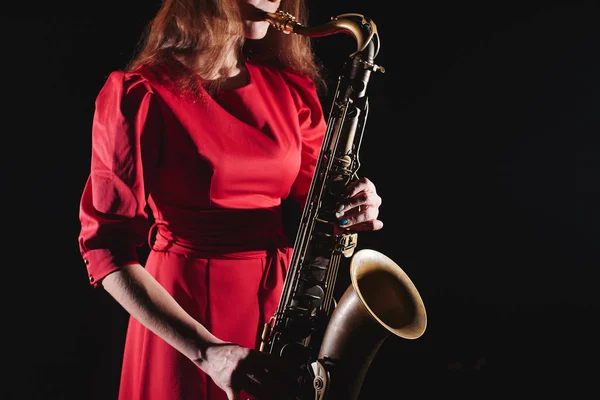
<point>343,23</point>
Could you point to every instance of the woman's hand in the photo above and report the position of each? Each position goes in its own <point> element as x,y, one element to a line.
<point>235,368</point>
<point>360,209</point>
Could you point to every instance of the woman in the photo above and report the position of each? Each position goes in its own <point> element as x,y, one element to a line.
<point>215,121</point>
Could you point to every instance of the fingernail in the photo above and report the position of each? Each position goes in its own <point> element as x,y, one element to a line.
<point>344,222</point>
<point>339,214</point>
<point>340,207</point>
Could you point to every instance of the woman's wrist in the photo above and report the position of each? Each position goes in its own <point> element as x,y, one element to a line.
<point>201,346</point>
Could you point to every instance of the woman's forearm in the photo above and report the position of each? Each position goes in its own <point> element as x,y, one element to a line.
<point>151,305</point>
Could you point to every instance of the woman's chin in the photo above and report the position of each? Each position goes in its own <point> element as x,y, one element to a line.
<point>256,30</point>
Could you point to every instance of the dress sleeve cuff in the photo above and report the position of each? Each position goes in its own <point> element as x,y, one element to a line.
<point>101,262</point>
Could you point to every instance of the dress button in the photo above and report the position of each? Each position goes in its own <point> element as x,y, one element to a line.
<point>91,278</point>
<point>86,261</point>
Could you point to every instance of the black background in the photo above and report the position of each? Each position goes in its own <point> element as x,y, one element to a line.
<point>483,140</point>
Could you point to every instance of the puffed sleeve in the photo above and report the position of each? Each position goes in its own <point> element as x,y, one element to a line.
<point>312,125</point>
<point>125,133</point>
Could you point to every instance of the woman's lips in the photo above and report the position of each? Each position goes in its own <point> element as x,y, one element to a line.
<point>252,13</point>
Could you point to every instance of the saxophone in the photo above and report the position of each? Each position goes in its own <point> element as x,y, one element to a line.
<point>332,344</point>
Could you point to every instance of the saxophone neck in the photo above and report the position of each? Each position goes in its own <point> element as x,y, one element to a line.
<point>362,29</point>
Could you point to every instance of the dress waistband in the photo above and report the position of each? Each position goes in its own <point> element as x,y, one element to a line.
<point>221,233</point>
<point>229,235</point>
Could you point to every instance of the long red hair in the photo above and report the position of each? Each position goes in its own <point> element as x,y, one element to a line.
<point>187,29</point>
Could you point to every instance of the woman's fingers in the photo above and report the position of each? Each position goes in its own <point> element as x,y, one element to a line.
<point>232,394</point>
<point>263,376</point>
<point>264,386</point>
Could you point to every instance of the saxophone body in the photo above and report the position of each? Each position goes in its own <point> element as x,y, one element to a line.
<point>330,344</point>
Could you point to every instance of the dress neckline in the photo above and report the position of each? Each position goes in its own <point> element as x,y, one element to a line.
<point>249,81</point>
<point>249,78</point>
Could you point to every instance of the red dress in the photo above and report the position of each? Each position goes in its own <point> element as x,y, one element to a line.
<point>213,173</point>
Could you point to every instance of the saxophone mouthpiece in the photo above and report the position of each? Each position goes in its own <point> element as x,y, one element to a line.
<point>282,21</point>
